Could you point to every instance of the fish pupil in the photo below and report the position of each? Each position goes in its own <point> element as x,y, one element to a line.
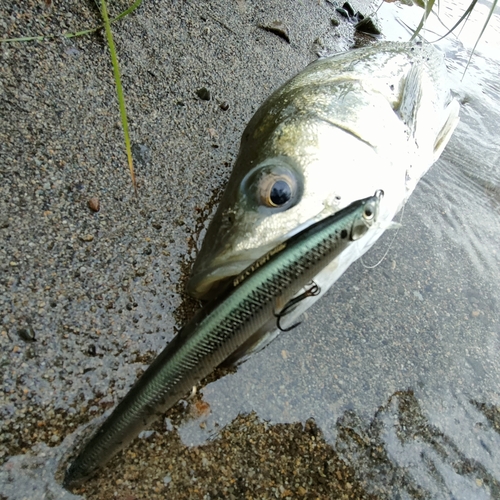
<point>281,193</point>
<point>343,234</point>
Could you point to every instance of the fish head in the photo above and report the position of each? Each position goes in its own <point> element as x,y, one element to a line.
<point>345,127</point>
<point>299,174</point>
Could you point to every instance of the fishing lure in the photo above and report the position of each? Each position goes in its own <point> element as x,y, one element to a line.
<point>223,325</point>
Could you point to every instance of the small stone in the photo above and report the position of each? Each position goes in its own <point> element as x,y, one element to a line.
<point>27,334</point>
<point>348,8</point>
<point>224,106</point>
<point>368,25</point>
<point>203,94</point>
<point>94,204</point>
<point>335,21</point>
<point>140,272</point>
<point>475,313</point>
<point>86,237</point>
<point>277,28</point>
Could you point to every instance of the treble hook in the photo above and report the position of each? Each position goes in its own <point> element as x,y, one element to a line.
<point>313,291</point>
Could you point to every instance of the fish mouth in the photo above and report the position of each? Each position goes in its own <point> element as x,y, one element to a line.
<point>206,283</point>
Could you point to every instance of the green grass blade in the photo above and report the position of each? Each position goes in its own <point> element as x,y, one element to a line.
<point>428,9</point>
<point>493,6</point>
<point>41,38</point>
<point>119,89</point>
<point>463,18</point>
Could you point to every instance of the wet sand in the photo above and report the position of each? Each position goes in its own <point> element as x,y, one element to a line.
<point>88,298</point>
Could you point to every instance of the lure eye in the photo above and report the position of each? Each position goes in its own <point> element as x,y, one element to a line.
<point>368,213</point>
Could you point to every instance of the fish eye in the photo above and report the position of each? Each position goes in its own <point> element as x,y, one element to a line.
<point>276,192</point>
<point>273,186</point>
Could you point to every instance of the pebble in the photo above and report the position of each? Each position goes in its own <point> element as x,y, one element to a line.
<point>27,334</point>
<point>203,94</point>
<point>347,7</point>
<point>368,25</point>
<point>94,204</point>
<point>278,28</point>
<point>342,12</point>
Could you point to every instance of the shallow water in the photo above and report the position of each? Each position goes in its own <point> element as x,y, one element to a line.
<point>399,366</point>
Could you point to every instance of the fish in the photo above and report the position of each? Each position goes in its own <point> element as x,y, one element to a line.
<point>260,294</point>
<point>372,118</point>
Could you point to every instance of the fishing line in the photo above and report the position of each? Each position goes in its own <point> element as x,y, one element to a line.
<point>366,266</point>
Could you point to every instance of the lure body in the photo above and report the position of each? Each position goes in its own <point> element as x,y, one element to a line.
<point>251,300</point>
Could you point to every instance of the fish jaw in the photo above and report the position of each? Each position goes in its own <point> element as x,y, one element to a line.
<point>336,132</point>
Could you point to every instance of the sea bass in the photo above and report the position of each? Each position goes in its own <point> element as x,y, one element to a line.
<point>372,118</point>
<point>260,294</point>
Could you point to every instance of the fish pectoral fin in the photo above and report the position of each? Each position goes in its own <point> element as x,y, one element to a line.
<point>412,95</point>
<point>450,123</point>
<point>415,111</point>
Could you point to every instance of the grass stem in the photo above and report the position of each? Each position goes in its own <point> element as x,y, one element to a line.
<point>119,89</point>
